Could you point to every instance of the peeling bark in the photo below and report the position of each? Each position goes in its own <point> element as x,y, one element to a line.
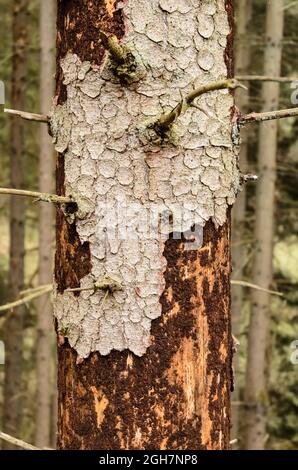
<point>157,368</point>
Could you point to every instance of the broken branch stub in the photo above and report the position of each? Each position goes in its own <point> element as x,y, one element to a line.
<point>248,177</point>
<point>105,283</point>
<point>123,62</point>
<point>28,116</point>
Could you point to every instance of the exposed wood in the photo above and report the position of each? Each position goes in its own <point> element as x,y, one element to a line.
<point>177,395</point>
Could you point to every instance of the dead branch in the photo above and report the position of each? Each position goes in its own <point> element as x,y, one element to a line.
<point>165,121</point>
<point>268,116</point>
<point>105,283</point>
<point>290,5</point>
<point>45,197</point>
<point>17,442</point>
<point>35,289</point>
<point>263,78</point>
<point>27,298</point>
<point>233,441</point>
<point>28,116</point>
<point>256,287</point>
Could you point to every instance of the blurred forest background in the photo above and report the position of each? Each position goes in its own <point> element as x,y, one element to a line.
<point>270,320</point>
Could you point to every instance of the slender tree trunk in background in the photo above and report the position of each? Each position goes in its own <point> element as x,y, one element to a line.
<point>44,315</point>
<point>239,251</point>
<point>14,325</point>
<point>255,390</point>
<point>147,366</point>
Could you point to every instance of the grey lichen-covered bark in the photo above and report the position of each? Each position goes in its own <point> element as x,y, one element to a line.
<point>111,163</point>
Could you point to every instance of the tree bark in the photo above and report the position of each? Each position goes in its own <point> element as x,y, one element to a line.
<point>46,167</point>
<point>127,381</point>
<point>239,250</point>
<point>256,399</point>
<point>14,325</point>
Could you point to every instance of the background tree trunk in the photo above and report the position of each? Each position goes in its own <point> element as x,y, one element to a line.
<point>14,325</point>
<point>239,249</point>
<point>44,313</point>
<point>255,389</point>
<point>175,392</point>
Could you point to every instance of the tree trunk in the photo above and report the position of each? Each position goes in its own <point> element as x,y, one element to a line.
<point>239,250</point>
<point>14,325</point>
<point>255,390</point>
<point>44,313</point>
<point>144,362</point>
